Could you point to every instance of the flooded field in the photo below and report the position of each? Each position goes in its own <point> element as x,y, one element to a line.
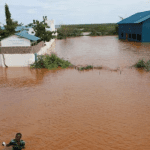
<point>67,109</point>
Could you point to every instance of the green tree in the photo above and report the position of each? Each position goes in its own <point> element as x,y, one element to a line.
<point>40,29</point>
<point>10,24</point>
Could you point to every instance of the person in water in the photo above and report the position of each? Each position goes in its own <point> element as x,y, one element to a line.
<point>17,143</point>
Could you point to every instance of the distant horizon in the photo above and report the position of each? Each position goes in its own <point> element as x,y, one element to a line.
<point>75,24</point>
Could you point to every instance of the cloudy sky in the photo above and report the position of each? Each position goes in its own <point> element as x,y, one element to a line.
<point>72,11</point>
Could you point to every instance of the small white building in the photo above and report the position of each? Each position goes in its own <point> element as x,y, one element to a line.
<point>15,40</point>
<point>50,23</point>
<point>31,31</point>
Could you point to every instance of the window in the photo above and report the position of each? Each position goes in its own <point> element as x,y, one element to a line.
<point>138,37</point>
<point>133,36</point>
<point>121,34</point>
<point>129,35</point>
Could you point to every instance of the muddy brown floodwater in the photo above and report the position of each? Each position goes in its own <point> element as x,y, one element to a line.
<point>67,109</point>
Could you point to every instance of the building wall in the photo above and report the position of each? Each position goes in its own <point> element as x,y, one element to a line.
<point>25,59</point>
<point>135,30</point>
<point>1,61</point>
<point>51,24</point>
<point>14,41</point>
<point>30,31</point>
<point>18,60</point>
<point>22,50</point>
<point>36,48</point>
<point>146,31</point>
<point>47,48</point>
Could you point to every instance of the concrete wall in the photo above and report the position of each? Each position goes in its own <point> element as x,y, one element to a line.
<point>14,41</point>
<point>24,60</point>
<point>18,60</point>
<point>22,50</point>
<point>1,61</point>
<point>45,49</point>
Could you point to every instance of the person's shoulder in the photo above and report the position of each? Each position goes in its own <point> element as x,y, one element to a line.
<point>22,141</point>
<point>13,140</point>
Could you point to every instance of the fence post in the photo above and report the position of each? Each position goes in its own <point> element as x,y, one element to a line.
<point>35,57</point>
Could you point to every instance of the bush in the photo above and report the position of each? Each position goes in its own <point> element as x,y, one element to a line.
<point>147,66</point>
<point>140,64</point>
<point>50,62</point>
<point>85,68</point>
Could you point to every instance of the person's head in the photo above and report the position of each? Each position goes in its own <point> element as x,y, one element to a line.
<point>18,136</point>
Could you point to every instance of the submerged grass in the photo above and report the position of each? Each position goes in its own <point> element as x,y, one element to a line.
<point>85,68</point>
<point>142,64</point>
<point>50,62</point>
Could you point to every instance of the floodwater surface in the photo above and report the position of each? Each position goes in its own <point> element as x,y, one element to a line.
<point>67,109</point>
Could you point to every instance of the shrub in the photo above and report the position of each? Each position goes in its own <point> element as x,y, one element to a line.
<point>50,62</point>
<point>85,68</point>
<point>140,64</point>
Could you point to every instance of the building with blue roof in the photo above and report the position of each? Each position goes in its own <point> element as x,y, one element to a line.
<point>135,28</point>
<point>21,38</point>
<point>24,33</point>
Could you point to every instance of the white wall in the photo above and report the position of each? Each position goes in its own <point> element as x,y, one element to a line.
<point>23,60</point>
<point>30,31</point>
<point>1,61</point>
<point>51,24</point>
<point>45,48</point>
<point>14,40</point>
<point>17,60</point>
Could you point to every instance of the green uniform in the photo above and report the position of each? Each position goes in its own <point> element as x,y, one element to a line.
<point>16,146</point>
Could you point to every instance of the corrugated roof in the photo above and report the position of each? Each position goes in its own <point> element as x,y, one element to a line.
<point>18,28</point>
<point>136,18</point>
<point>24,33</point>
<point>28,36</point>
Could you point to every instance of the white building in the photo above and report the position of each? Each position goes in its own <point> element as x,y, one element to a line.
<point>50,23</point>
<point>15,40</point>
<point>31,31</point>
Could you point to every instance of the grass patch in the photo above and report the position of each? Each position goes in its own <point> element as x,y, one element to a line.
<point>86,68</point>
<point>50,62</point>
<point>142,64</point>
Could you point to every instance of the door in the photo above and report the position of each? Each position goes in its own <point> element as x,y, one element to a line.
<point>126,35</point>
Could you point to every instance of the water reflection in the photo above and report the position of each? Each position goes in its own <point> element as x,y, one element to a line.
<point>23,76</point>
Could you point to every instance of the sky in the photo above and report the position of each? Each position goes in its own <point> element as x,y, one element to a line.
<point>72,11</point>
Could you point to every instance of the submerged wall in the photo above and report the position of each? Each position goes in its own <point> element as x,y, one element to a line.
<point>24,60</point>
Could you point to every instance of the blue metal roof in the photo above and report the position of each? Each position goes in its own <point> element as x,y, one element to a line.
<point>28,36</point>
<point>21,28</point>
<point>2,28</point>
<point>18,28</point>
<point>24,33</point>
<point>136,18</point>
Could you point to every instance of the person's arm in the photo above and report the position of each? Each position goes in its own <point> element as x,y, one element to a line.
<point>10,144</point>
<point>7,145</point>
